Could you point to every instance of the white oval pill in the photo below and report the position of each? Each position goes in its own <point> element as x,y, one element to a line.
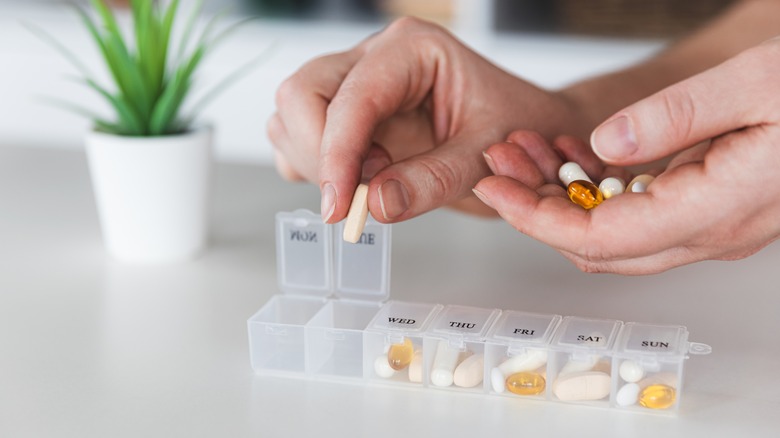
<point>470,372</point>
<point>497,380</point>
<point>627,395</point>
<point>382,368</point>
<point>570,172</point>
<point>587,385</point>
<point>416,367</point>
<point>612,186</point>
<point>631,371</point>
<point>528,361</point>
<point>639,184</point>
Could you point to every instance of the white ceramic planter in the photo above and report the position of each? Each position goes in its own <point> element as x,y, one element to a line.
<point>152,194</point>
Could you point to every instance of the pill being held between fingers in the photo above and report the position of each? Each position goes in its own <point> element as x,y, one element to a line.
<point>357,216</point>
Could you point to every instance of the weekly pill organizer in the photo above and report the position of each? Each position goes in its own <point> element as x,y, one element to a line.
<point>333,321</point>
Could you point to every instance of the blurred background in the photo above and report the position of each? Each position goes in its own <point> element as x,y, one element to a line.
<point>549,42</point>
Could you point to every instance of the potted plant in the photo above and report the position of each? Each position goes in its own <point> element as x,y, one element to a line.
<point>150,163</point>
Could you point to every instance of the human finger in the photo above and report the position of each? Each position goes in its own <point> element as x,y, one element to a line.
<point>688,112</point>
<point>386,79</point>
<point>426,181</point>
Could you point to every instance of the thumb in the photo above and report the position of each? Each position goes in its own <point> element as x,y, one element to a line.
<point>702,107</point>
<point>424,182</point>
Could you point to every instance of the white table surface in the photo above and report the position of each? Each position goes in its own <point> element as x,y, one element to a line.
<point>93,348</point>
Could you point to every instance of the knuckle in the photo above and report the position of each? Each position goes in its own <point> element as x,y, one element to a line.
<point>679,112</point>
<point>443,181</point>
<point>405,25</point>
<point>287,90</point>
<point>416,30</point>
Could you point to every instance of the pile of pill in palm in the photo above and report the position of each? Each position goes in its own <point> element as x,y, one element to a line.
<point>584,192</point>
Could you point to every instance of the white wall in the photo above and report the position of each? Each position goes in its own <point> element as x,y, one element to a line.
<point>29,69</point>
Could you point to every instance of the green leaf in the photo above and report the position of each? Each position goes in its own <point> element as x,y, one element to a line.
<point>127,115</point>
<point>167,107</point>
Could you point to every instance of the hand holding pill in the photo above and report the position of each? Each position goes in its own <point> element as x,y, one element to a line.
<point>667,221</point>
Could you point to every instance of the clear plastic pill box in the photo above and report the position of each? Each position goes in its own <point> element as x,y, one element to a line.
<point>332,320</point>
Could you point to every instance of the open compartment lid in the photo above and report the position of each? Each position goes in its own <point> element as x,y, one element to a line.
<point>313,259</point>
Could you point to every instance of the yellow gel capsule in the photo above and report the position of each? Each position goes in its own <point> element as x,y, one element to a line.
<point>657,396</point>
<point>525,383</point>
<point>399,356</point>
<point>585,194</point>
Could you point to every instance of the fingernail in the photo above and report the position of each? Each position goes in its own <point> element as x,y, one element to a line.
<point>328,204</point>
<point>393,198</point>
<point>489,161</point>
<point>372,166</point>
<point>615,139</point>
<point>483,198</point>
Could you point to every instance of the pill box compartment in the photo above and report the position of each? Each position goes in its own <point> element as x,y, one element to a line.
<point>393,343</point>
<point>454,348</point>
<point>330,322</point>
<point>516,354</point>
<point>580,363</point>
<point>331,289</point>
<point>648,367</point>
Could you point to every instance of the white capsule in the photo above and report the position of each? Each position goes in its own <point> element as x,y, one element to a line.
<point>580,364</point>
<point>470,372</point>
<point>612,186</point>
<point>631,371</point>
<point>444,364</point>
<point>570,172</point>
<point>639,184</point>
<point>382,368</point>
<point>627,395</point>
<point>528,361</point>
<point>416,367</point>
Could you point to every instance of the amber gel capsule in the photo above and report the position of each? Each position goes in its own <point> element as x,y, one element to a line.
<point>585,194</point>
<point>525,383</point>
<point>399,356</point>
<point>657,396</point>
